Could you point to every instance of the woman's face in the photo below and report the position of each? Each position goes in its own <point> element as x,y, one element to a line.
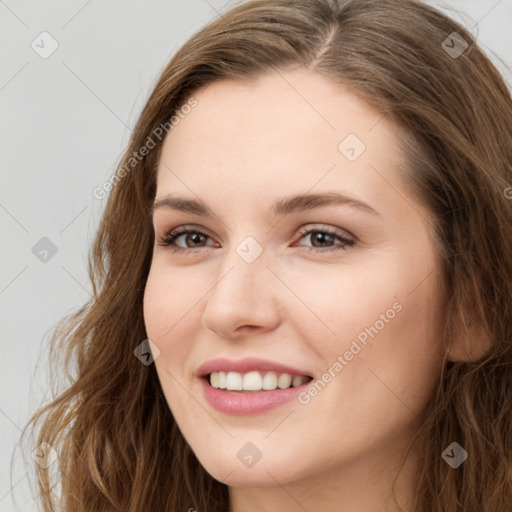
<point>269,277</point>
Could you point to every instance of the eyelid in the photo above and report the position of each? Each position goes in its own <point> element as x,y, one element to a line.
<point>312,226</point>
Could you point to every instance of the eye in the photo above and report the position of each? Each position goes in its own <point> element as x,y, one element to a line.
<point>323,235</point>
<point>190,235</point>
<point>320,235</point>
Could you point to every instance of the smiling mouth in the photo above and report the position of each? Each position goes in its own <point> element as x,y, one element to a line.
<point>255,381</point>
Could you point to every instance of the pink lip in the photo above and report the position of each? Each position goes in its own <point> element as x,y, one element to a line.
<point>244,366</point>
<point>250,402</point>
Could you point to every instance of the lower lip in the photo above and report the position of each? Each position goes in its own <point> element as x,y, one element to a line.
<point>252,402</point>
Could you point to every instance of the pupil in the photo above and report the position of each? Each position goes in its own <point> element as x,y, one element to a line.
<point>320,237</point>
<point>195,237</point>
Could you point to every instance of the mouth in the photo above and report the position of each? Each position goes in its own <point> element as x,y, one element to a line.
<point>254,381</point>
<point>233,393</point>
<point>251,385</point>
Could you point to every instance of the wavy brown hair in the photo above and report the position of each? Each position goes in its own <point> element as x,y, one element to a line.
<point>119,448</point>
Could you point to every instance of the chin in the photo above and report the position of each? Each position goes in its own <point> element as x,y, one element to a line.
<point>234,474</point>
<point>231,466</point>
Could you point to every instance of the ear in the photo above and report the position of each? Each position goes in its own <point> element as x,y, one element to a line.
<point>469,342</point>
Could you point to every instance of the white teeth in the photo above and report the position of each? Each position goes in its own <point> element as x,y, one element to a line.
<point>214,380</point>
<point>284,381</point>
<point>234,381</point>
<point>253,381</point>
<point>270,381</point>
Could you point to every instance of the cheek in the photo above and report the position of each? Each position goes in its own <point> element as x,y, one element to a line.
<point>397,371</point>
<point>163,307</point>
<point>169,296</point>
<point>172,304</point>
<point>336,303</point>
<point>385,326</point>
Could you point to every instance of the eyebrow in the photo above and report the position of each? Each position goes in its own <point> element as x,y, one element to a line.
<point>283,206</point>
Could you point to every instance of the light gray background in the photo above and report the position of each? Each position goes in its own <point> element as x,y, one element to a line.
<point>65,122</point>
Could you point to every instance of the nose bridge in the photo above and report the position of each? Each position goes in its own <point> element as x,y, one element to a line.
<point>243,293</point>
<point>243,273</point>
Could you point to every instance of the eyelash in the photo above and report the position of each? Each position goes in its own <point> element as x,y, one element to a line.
<point>168,239</point>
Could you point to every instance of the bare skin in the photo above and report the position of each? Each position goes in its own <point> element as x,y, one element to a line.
<point>244,146</point>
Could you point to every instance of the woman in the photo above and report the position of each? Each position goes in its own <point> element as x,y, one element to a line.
<point>338,339</point>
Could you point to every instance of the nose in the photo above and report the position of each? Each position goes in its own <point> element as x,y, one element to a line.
<point>244,298</point>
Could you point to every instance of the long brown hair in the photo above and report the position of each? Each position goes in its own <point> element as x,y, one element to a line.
<point>117,443</point>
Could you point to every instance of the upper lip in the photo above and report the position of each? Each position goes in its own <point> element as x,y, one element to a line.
<point>244,366</point>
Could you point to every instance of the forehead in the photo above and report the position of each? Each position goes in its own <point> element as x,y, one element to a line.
<point>288,131</point>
